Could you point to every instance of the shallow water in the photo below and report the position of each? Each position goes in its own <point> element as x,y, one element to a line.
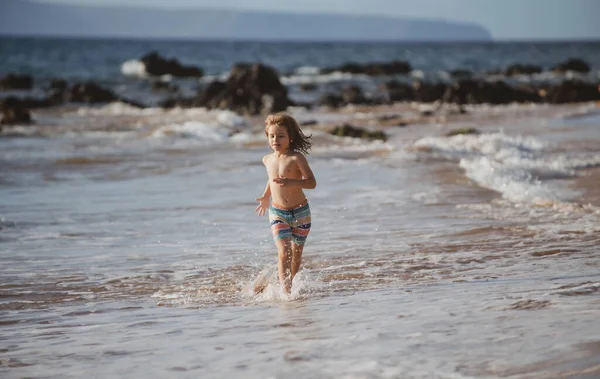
<point>132,252</point>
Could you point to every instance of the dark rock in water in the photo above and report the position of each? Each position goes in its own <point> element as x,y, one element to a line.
<point>522,69</point>
<point>132,103</point>
<point>210,92</point>
<point>89,93</point>
<point>159,86</point>
<point>470,91</point>
<point>16,81</point>
<point>391,120</point>
<point>353,95</point>
<point>461,131</point>
<point>54,99</point>
<point>58,84</point>
<point>397,92</point>
<point>427,92</point>
<point>175,102</point>
<point>202,99</point>
<point>461,73</point>
<point>347,130</point>
<point>307,87</point>
<point>251,89</point>
<point>573,64</point>
<point>331,100</point>
<point>14,112</point>
<point>372,69</point>
<point>571,91</point>
<point>157,66</point>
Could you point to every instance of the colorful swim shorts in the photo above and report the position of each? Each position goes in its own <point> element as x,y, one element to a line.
<point>290,222</point>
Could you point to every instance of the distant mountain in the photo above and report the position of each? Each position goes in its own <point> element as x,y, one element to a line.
<point>28,18</point>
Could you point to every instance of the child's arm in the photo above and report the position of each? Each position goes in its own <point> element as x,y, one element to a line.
<point>263,205</point>
<point>308,180</point>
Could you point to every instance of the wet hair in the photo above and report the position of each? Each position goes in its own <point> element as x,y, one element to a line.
<point>298,141</point>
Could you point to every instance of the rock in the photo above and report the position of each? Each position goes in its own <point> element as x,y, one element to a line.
<point>353,95</point>
<point>160,86</point>
<point>331,100</point>
<point>132,103</point>
<point>53,99</point>
<point>461,131</point>
<point>13,112</point>
<point>308,87</point>
<point>347,130</point>
<point>88,92</point>
<point>58,84</point>
<point>391,120</point>
<point>461,73</point>
<point>16,81</point>
<point>571,91</point>
<point>177,102</point>
<point>372,69</point>
<point>156,65</point>
<point>470,91</point>
<point>427,92</point>
<point>522,69</point>
<point>573,64</point>
<point>209,92</point>
<point>246,88</point>
<point>397,92</point>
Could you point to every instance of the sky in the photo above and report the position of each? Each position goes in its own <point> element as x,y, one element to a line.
<point>505,19</point>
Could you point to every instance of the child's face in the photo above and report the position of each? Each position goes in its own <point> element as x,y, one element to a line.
<point>279,140</point>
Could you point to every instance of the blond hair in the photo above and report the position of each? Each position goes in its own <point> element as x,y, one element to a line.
<point>298,141</point>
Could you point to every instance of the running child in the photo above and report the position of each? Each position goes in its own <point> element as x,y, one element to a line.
<point>289,212</point>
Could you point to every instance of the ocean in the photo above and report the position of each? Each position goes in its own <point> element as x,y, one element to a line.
<point>129,247</point>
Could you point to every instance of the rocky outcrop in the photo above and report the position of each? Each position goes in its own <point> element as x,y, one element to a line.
<point>347,130</point>
<point>250,89</point>
<point>156,66</point>
<point>14,112</point>
<point>16,81</point>
<point>462,131</point>
<point>573,64</point>
<point>89,93</point>
<point>372,69</point>
<point>571,91</point>
<point>522,69</point>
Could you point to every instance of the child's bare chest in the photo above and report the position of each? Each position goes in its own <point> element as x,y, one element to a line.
<point>283,168</point>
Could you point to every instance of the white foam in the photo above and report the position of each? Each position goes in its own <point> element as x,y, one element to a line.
<point>307,70</point>
<point>513,183</point>
<point>417,74</point>
<point>134,67</point>
<point>517,167</point>
<point>333,77</point>
<point>117,109</point>
<point>231,119</point>
<point>194,130</point>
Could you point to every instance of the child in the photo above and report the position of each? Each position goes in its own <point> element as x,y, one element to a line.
<point>289,173</point>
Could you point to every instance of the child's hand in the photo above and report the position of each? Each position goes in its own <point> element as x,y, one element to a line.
<point>263,206</point>
<point>282,181</point>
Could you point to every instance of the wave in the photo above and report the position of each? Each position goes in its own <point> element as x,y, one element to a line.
<point>520,168</point>
<point>134,67</point>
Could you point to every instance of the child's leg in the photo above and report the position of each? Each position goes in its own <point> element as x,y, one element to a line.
<point>284,263</point>
<point>296,258</point>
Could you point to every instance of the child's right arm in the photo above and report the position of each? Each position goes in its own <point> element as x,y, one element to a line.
<point>263,205</point>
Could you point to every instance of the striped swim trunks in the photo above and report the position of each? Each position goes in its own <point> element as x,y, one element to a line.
<point>290,222</point>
